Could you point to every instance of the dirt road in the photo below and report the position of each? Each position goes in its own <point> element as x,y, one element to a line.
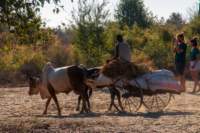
<point>21,113</point>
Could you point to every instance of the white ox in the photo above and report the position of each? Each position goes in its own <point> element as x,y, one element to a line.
<point>60,80</point>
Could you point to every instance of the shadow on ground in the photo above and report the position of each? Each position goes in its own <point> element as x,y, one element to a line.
<point>150,114</point>
<point>120,114</point>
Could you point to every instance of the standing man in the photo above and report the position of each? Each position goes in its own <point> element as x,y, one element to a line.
<point>122,50</point>
<point>180,59</point>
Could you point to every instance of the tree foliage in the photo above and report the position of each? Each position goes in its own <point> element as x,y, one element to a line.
<point>130,12</point>
<point>15,12</point>
<point>90,21</point>
<point>194,26</point>
<point>176,19</point>
<point>21,17</point>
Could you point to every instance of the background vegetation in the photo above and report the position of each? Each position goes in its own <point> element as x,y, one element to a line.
<point>26,44</point>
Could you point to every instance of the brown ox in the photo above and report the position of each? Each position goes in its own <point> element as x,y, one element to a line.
<point>98,80</point>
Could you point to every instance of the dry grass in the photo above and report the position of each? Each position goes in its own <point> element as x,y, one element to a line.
<point>21,113</point>
<point>118,68</point>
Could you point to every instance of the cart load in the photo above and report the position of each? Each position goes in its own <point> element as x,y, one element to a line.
<point>154,90</point>
<point>157,80</point>
<point>118,69</point>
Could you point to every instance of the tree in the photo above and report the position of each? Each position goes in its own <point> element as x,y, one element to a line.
<point>90,21</point>
<point>176,19</point>
<point>194,26</point>
<point>130,12</point>
<point>20,12</point>
<point>199,7</point>
<point>21,17</point>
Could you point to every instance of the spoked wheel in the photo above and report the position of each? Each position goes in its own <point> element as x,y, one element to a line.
<point>157,102</point>
<point>132,101</point>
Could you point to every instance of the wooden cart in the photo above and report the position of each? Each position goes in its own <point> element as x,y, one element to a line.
<point>154,101</point>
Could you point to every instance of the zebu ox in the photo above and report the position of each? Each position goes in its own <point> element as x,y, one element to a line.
<point>98,80</point>
<point>91,73</point>
<point>60,80</point>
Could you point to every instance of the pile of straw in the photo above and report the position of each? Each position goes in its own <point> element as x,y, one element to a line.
<point>117,69</point>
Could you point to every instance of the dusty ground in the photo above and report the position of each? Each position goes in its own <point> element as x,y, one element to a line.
<point>21,113</point>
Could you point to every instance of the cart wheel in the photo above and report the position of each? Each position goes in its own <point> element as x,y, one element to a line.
<point>157,102</point>
<point>132,101</point>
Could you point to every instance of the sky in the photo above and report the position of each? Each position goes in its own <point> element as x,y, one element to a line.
<point>159,8</point>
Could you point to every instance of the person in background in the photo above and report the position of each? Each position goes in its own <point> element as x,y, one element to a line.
<point>194,64</point>
<point>180,58</point>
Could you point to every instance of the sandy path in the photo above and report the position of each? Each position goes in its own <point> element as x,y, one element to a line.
<point>21,113</point>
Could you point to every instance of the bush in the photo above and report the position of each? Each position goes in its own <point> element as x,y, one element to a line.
<point>194,26</point>
<point>61,55</point>
<point>140,57</point>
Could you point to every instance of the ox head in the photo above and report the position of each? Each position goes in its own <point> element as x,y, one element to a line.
<point>34,85</point>
<point>93,73</point>
<point>96,79</point>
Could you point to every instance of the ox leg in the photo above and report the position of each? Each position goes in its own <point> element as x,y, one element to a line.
<point>119,100</point>
<point>57,104</point>
<point>88,95</point>
<point>85,99</point>
<point>79,102</point>
<point>46,106</point>
<point>88,104</point>
<point>83,104</point>
<point>112,97</point>
<point>113,93</point>
<point>90,92</point>
<point>53,95</point>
